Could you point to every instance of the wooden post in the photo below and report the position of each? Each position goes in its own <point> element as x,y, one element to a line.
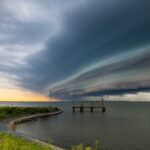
<point>91,107</point>
<point>103,106</point>
<point>73,109</point>
<point>73,106</point>
<point>81,107</point>
<point>50,95</point>
<point>103,109</point>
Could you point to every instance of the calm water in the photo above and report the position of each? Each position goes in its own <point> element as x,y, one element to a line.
<point>125,125</point>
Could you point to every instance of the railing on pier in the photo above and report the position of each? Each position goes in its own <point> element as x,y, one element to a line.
<point>91,107</point>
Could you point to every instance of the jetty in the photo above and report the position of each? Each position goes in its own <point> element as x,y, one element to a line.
<point>91,107</point>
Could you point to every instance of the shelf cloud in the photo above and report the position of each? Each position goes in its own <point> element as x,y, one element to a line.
<point>75,48</point>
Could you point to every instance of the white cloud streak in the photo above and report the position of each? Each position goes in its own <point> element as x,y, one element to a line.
<point>138,97</point>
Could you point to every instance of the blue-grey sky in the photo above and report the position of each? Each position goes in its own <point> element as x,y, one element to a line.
<point>77,48</point>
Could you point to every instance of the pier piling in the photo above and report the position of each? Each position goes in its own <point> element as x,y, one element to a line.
<point>91,107</point>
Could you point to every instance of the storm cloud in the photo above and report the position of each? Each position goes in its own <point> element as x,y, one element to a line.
<point>76,47</point>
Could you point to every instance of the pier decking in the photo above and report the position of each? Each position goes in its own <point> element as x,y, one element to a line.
<point>91,107</point>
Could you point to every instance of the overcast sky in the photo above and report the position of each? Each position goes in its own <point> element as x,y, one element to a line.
<point>75,47</point>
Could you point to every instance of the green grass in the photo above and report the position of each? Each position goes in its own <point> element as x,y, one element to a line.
<point>18,111</point>
<point>82,147</point>
<point>9,142</point>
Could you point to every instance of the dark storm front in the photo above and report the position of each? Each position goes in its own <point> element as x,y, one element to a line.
<point>125,125</point>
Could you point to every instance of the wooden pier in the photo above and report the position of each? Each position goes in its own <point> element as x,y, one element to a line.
<point>91,107</point>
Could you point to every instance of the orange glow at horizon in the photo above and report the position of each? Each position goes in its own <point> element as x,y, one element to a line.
<point>19,95</point>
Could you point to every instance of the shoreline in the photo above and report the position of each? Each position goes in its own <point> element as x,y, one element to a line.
<point>23,119</point>
<point>10,123</point>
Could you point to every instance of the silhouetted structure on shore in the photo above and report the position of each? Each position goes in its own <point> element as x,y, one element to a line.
<point>50,96</point>
<point>91,107</point>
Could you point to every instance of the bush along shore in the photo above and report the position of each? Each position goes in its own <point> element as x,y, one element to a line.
<point>11,142</point>
<point>20,111</point>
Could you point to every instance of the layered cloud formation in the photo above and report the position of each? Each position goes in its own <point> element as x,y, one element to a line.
<point>76,48</point>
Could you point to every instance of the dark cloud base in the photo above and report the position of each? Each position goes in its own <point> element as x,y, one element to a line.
<point>89,35</point>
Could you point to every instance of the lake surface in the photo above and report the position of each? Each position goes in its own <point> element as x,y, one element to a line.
<point>124,126</point>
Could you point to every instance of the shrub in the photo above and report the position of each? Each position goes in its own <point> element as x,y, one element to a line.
<point>81,147</point>
<point>17,111</point>
<point>9,142</point>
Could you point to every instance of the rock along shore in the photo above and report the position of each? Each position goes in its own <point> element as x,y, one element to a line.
<point>14,122</point>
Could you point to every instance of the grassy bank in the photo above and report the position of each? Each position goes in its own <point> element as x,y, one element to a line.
<point>82,147</point>
<point>9,142</point>
<point>19,111</point>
